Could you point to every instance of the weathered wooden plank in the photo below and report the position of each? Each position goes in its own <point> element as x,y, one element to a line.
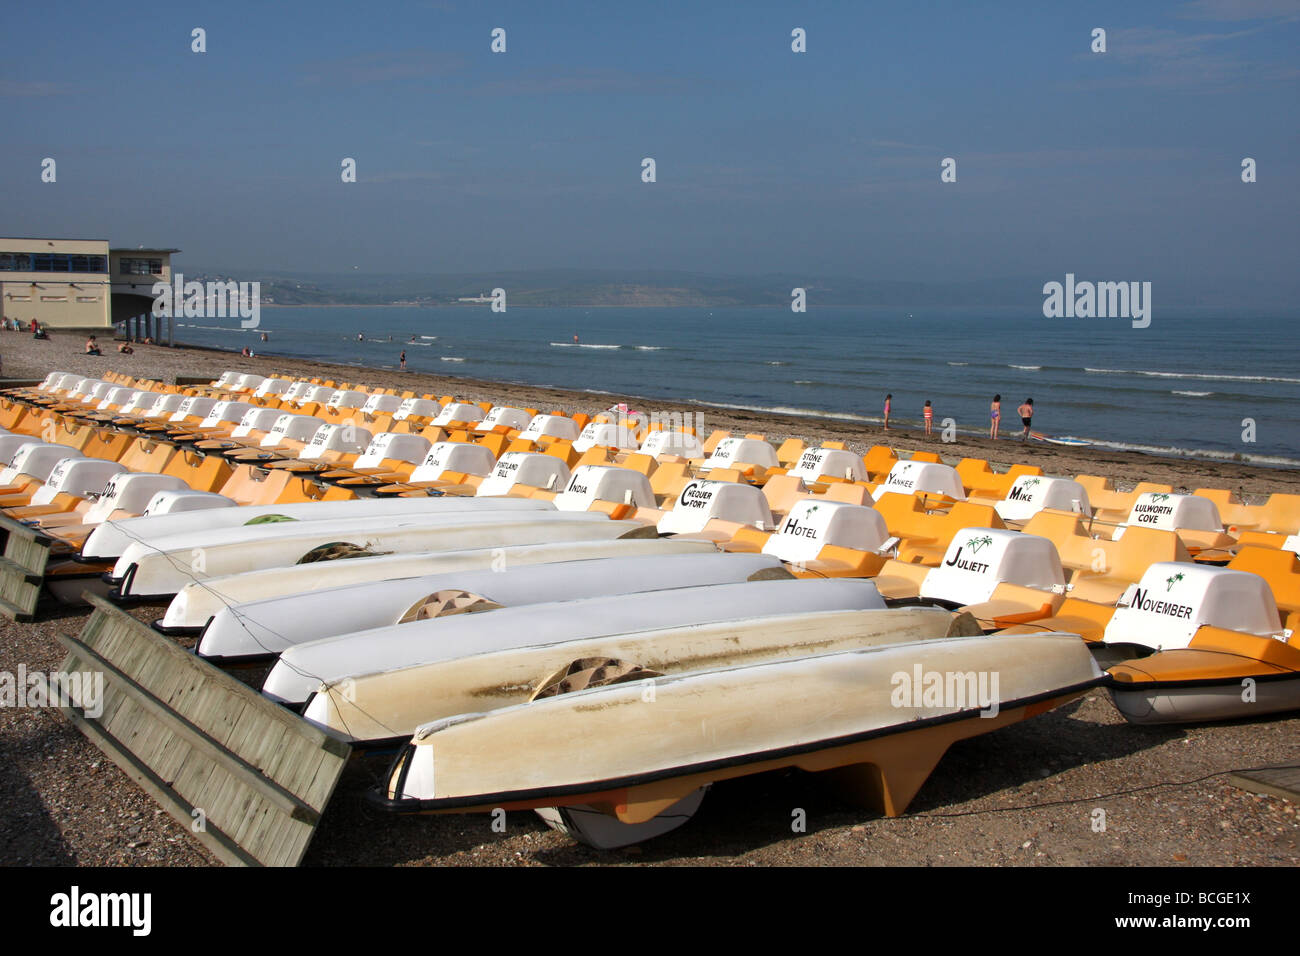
<point>20,590</point>
<point>26,546</point>
<point>220,845</point>
<point>196,738</point>
<point>1281,782</point>
<point>194,735</point>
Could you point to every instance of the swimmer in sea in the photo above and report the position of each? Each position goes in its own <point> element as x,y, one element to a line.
<point>995,414</point>
<point>575,339</point>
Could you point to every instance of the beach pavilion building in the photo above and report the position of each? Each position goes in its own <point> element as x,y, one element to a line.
<point>78,284</point>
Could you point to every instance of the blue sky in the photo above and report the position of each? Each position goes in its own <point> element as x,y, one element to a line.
<point>1123,165</point>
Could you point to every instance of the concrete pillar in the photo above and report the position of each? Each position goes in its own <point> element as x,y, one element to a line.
<point>171,331</point>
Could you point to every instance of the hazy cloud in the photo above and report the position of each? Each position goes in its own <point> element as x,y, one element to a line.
<point>1241,10</point>
<point>31,88</point>
<point>382,67</point>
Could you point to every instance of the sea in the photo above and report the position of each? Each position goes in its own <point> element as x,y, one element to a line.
<point>1195,386</point>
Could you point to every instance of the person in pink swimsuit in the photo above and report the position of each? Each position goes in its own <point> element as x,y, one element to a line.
<point>928,412</point>
<point>995,415</point>
<point>888,401</point>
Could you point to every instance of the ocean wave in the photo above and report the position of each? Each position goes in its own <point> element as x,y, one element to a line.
<point>583,345</point>
<point>1192,394</point>
<point>449,358</point>
<point>959,363</point>
<point>1027,368</point>
<point>1212,455</point>
<point>775,363</point>
<point>791,410</point>
<point>650,348</point>
<point>1195,375</point>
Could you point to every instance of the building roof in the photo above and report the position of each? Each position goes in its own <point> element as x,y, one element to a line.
<point>54,239</point>
<point>139,249</point>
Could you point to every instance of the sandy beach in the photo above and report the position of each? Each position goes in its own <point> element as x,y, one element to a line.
<point>1024,795</point>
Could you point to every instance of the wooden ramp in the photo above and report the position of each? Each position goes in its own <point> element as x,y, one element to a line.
<point>1281,782</point>
<point>22,569</point>
<point>205,746</point>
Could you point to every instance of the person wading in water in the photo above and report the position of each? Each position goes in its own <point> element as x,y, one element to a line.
<point>1026,413</point>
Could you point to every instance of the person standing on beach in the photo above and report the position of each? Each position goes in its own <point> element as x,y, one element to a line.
<point>1026,413</point>
<point>889,399</point>
<point>928,412</point>
<point>402,358</point>
<point>995,415</point>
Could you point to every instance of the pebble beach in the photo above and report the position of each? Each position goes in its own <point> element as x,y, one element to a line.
<point>1024,795</point>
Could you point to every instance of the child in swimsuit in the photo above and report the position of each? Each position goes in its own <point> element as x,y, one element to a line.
<point>995,413</point>
<point>888,399</point>
<point>929,416</point>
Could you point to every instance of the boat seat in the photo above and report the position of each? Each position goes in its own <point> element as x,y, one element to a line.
<point>926,539</point>
<point>879,461</point>
<point>200,472</point>
<point>899,580</point>
<point>1281,569</point>
<point>711,442</point>
<point>1232,509</point>
<point>1104,572</point>
<point>782,491</point>
<point>1015,604</point>
<point>789,451</point>
<point>1075,616</point>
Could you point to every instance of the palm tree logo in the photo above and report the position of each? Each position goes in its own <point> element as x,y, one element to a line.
<point>1171,581</point>
<point>975,544</point>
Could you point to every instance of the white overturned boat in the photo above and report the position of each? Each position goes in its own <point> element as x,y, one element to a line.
<point>265,628</point>
<point>163,567</point>
<point>495,676</point>
<point>648,747</point>
<point>111,538</point>
<point>402,656</point>
<point>197,603</point>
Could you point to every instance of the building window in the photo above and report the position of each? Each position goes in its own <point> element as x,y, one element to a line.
<point>54,298</point>
<point>87,298</point>
<point>51,262</point>
<point>140,267</point>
